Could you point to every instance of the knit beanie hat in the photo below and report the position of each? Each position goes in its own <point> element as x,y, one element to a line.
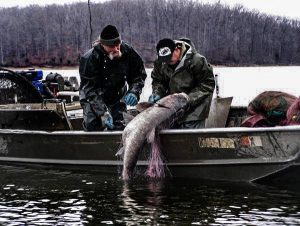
<point>110,36</point>
<point>165,48</point>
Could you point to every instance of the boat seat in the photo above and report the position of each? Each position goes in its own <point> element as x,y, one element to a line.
<point>218,112</point>
<point>32,116</point>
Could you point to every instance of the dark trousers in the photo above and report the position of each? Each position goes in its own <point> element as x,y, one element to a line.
<point>116,112</point>
<point>190,125</point>
<point>93,123</point>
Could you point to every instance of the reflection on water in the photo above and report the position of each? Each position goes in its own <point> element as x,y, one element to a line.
<point>40,197</point>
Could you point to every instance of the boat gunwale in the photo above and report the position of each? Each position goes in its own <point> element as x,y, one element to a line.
<point>217,162</point>
<point>293,128</point>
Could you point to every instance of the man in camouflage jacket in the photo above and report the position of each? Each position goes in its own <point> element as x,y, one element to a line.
<point>179,68</point>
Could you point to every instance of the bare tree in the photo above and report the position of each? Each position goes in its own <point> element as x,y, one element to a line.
<point>57,34</point>
<point>90,20</point>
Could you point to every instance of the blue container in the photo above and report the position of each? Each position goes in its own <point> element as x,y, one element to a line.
<point>39,86</point>
<point>32,75</point>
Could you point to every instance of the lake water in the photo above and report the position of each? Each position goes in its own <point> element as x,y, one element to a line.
<point>31,196</point>
<point>52,197</point>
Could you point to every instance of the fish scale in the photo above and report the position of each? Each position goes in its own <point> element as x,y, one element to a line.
<point>144,126</point>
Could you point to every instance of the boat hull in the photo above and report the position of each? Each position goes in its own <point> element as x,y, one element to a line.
<point>232,154</point>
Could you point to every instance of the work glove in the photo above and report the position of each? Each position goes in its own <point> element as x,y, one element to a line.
<point>153,98</point>
<point>108,121</point>
<point>130,99</point>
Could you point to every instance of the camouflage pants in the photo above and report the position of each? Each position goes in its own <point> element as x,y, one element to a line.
<point>93,123</point>
<point>190,125</point>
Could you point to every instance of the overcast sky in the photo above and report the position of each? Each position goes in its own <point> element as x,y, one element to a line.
<point>288,8</point>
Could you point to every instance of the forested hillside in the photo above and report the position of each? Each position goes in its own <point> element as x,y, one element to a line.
<point>58,34</point>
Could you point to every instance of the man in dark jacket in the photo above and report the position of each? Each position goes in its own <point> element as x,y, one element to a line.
<point>179,68</point>
<point>112,76</point>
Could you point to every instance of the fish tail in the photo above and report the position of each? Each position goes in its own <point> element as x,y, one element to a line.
<point>128,168</point>
<point>125,175</point>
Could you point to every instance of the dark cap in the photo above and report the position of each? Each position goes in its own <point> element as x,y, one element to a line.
<point>165,48</point>
<point>110,36</point>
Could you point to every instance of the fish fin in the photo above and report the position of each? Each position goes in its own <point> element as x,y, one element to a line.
<point>143,106</point>
<point>120,153</point>
<point>162,106</point>
<point>127,117</point>
<point>180,113</point>
<point>151,136</point>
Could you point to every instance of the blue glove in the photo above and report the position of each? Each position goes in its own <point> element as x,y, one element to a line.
<point>130,99</point>
<point>153,98</point>
<point>108,122</point>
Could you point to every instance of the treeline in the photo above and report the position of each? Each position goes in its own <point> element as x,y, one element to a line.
<point>58,34</point>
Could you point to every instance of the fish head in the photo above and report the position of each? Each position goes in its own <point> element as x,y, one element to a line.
<point>143,106</point>
<point>175,101</point>
<point>183,98</point>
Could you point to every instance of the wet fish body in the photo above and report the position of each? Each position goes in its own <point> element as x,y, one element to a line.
<point>143,126</point>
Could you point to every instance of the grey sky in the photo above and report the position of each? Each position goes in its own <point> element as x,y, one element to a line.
<point>288,8</point>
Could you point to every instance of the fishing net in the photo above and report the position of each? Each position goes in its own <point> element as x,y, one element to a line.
<point>293,113</point>
<point>155,168</point>
<point>268,109</point>
<point>271,103</point>
<point>14,88</point>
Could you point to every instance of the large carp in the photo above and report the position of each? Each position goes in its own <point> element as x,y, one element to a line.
<point>145,125</point>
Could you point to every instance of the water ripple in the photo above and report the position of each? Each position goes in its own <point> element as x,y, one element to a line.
<point>36,197</point>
